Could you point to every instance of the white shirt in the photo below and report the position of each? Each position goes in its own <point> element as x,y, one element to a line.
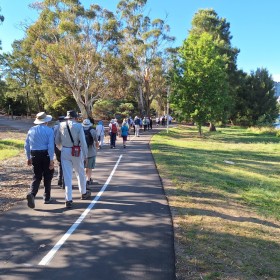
<point>63,139</point>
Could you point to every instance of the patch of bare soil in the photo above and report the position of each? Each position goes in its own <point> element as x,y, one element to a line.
<point>15,174</point>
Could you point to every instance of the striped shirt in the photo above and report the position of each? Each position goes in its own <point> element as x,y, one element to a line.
<point>39,137</point>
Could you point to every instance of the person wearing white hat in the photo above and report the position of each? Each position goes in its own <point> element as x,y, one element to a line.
<point>39,150</point>
<point>71,135</point>
<point>92,142</point>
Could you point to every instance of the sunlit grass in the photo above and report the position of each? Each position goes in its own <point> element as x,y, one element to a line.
<point>226,164</point>
<point>225,199</point>
<point>10,148</point>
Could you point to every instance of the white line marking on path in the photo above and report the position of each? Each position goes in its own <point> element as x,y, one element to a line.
<point>46,260</point>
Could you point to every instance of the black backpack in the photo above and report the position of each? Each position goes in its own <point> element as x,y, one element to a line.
<point>89,138</point>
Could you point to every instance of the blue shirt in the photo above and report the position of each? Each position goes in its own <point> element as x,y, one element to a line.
<point>124,130</point>
<point>39,137</point>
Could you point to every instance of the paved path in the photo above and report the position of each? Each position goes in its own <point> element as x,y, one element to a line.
<point>124,233</point>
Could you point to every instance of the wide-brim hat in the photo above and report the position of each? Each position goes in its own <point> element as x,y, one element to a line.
<point>86,123</point>
<point>71,115</point>
<point>42,117</point>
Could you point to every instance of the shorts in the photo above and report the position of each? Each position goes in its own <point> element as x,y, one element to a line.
<point>124,138</point>
<point>90,162</point>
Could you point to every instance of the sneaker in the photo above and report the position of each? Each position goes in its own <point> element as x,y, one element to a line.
<point>68,204</point>
<point>48,201</point>
<point>86,195</point>
<point>30,200</point>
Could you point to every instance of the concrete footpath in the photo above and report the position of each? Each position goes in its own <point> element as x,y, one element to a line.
<point>124,233</point>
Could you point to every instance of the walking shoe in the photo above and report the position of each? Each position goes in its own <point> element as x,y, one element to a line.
<point>48,201</point>
<point>30,200</point>
<point>86,195</point>
<point>68,204</point>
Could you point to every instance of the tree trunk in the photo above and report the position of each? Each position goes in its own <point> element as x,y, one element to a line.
<point>28,110</point>
<point>199,130</point>
<point>212,127</point>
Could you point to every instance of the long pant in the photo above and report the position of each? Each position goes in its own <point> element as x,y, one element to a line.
<point>113,137</point>
<point>60,178</point>
<point>68,163</point>
<point>137,128</point>
<point>101,142</point>
<point>145,127</point>
<point>59,170</point>
<point>41,164</point>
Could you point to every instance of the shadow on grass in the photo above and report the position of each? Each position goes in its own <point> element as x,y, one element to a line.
<point>253,176</point>
<point>8,143</point>
<point>218,255</point>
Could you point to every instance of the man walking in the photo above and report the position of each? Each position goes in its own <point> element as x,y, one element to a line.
<point>60,180</point>
<point>70,136</point>
<point>39,150</point>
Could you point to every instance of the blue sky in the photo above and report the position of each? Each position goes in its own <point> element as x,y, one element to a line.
<point>254,25</point>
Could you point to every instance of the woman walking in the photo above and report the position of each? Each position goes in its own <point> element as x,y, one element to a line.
<point>124,132</point>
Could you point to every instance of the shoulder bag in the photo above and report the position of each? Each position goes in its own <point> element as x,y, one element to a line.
<point>76,150</point>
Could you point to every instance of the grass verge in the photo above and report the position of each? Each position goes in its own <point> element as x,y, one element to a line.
<point>225,200</point>
<point>10,148</point>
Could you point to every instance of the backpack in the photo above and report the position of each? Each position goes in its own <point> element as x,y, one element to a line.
<point>89,138</point>
<point>114,128</point>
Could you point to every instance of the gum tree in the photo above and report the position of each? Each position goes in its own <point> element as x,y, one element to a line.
<point>1,20</point>
<point>143,48</point>
<point>75,49</point>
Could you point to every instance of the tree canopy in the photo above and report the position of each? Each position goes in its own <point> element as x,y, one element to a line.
<point>75,49</point>
<point>200,82</point>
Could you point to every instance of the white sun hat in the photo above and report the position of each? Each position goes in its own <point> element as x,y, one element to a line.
<point>42,117</point>
<point>86,123</point>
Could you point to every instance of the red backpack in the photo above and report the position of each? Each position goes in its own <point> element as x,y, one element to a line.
<point>114,128</point>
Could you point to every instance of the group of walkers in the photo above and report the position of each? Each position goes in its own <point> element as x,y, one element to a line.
<point>74,145</point>
<point>68,141</point>
<point>163,120</point>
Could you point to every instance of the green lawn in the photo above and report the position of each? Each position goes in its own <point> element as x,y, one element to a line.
<point>10,148</point>
<point>225,198</point>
